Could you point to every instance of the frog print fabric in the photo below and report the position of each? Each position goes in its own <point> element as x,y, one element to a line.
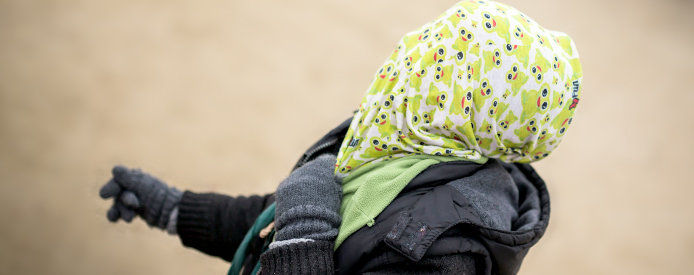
<point>481,81</point>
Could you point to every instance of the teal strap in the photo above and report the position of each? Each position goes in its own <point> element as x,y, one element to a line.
<point>265,218</point>
<point>266,246</point>
<point>256,268</point>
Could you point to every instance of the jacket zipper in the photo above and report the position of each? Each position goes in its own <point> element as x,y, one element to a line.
<point>316,149</point>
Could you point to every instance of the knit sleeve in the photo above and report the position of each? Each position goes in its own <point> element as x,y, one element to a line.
<point>215,224</point>
<point>307,257</point>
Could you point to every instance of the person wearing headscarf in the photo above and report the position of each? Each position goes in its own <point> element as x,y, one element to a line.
<point>481,81</point>
<point>440,142</point>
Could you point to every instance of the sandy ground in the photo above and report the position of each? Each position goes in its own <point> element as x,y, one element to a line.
<point>224,95</point>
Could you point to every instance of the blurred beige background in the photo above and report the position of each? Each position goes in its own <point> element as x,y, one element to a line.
<point>176,87</point>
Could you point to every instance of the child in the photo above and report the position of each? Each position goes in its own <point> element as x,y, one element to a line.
<point>423,189</point>
<point>481,81</point>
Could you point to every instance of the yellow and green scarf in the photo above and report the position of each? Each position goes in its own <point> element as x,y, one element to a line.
<point>482,80</point>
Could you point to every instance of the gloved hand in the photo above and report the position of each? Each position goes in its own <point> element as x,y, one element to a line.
<point>137,193</point>
<point>308,204</point>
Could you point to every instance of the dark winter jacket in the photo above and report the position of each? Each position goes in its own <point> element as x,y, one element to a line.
<point>455,217</point>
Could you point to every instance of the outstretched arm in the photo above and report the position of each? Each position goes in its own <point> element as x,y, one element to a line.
<point>212,223</point>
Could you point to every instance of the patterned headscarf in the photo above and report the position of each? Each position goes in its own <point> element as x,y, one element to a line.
<point>482,80</point>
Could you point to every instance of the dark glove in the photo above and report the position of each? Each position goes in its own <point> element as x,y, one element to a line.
<point>308,203</point>
<point>138,193</point>
<point>307,221</point>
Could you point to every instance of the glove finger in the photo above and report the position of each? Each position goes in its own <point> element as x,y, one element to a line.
<point>110,189</point>
<point>113,214</point>
<point>125,213</point>
<point>125,177</point>
<point>130,199</point>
